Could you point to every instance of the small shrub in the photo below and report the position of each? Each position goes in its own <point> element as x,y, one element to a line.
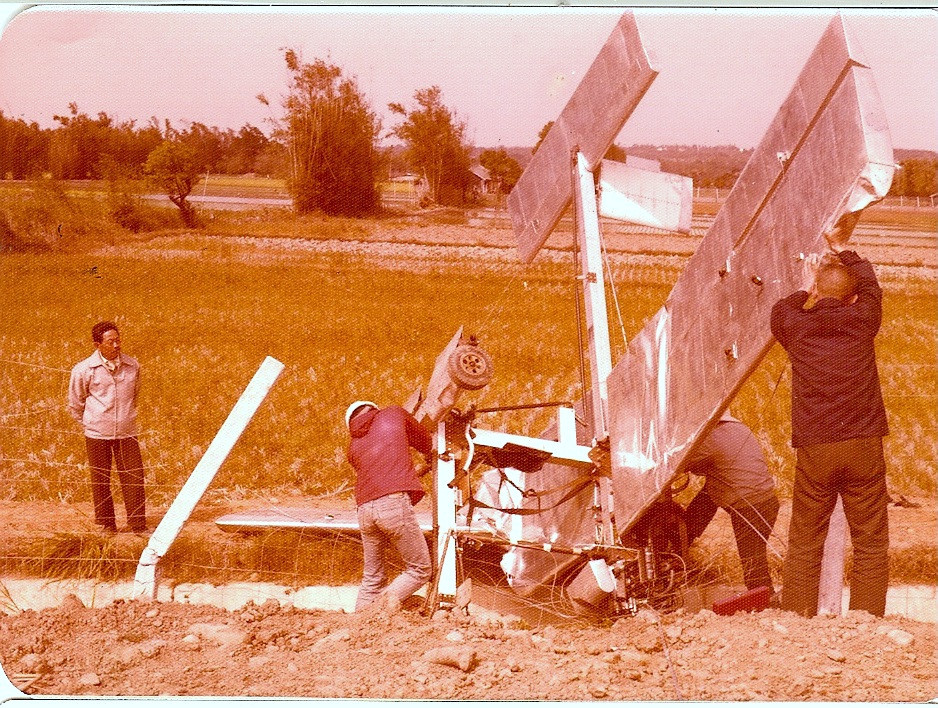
<point>126,212</point>
<point>11,242</point>
<point>47,216</point>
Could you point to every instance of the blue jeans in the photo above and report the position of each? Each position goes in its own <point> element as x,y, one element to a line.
<point>385,522</point>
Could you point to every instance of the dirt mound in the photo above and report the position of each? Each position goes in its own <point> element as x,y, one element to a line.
<point>138,648</point>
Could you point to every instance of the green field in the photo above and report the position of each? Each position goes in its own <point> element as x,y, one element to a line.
<point>203,316</point>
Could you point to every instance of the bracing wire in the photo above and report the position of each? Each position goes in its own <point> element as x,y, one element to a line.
<point>671,668</point>
<point>612,286</point>
<point>35,366</point>
<point>499,303</point>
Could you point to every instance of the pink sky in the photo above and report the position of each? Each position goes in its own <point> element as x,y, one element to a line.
<point>722,72</point>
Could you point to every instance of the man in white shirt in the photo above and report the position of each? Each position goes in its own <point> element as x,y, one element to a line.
<point>102,397</point>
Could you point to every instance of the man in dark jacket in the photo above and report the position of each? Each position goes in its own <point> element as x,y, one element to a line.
<point>838,424</point>
<point>386,489</point>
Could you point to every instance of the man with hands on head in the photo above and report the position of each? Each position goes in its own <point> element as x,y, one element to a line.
<point>838,423</point>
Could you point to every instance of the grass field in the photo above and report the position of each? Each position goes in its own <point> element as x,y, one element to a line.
<point>202,325</point>
<point>202,320</point>
<point>201,309</point>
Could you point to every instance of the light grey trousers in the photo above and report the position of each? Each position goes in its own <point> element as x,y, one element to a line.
<point>386,522</point>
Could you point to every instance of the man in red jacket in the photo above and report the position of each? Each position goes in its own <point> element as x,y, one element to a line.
<point>838,423</point>
<point>386,489</point>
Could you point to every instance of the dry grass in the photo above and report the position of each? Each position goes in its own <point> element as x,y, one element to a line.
<point>76,556</point>
<point>304,558</point>
<point>202,321</point>
<point>7,603</point>
<point>200,554</point>
<point>201,325</point>
<point>916,564</point>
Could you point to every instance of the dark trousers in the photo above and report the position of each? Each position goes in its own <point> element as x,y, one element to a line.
<point>856,470</point>
<point>752,526</point>
<point>126,457</point>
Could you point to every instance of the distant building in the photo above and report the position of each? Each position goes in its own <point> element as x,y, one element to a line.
<point>411,187</point>
<point>483,182</point>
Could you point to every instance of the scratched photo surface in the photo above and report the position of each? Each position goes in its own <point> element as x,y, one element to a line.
<point>554,237</point>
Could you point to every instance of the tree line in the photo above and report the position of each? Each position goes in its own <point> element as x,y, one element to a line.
<point>82,146</point>
<point>719,166</point>
<point>327,145</point>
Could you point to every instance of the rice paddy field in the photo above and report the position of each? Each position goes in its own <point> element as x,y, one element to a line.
<point>361,309</point>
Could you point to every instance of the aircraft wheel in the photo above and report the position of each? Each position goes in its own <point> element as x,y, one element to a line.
<point>470,367</point>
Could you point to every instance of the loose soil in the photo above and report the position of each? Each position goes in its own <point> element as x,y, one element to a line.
<point>177,649</point>
<point>170,649</point>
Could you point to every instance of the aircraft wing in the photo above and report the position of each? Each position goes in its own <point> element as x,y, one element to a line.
<point>826,156</point>
<point>601,104</point>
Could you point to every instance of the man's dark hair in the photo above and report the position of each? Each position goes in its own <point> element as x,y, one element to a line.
<point>97,332</point>
<point>834,279</point>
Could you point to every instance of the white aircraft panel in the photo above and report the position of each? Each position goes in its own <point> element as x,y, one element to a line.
<point>641,194</point>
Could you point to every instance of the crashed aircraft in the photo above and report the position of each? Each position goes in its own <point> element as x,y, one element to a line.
<point>583,513</point>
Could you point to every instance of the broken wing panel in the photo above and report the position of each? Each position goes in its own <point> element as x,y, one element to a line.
<point>826,156</point>
<point>338,521</point>
<point>571,523</point>
<point>641,195</point>
<point>562,519</point>
<point>602,102</point>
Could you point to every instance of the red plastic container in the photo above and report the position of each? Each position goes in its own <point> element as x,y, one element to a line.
<point>754,600</point>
